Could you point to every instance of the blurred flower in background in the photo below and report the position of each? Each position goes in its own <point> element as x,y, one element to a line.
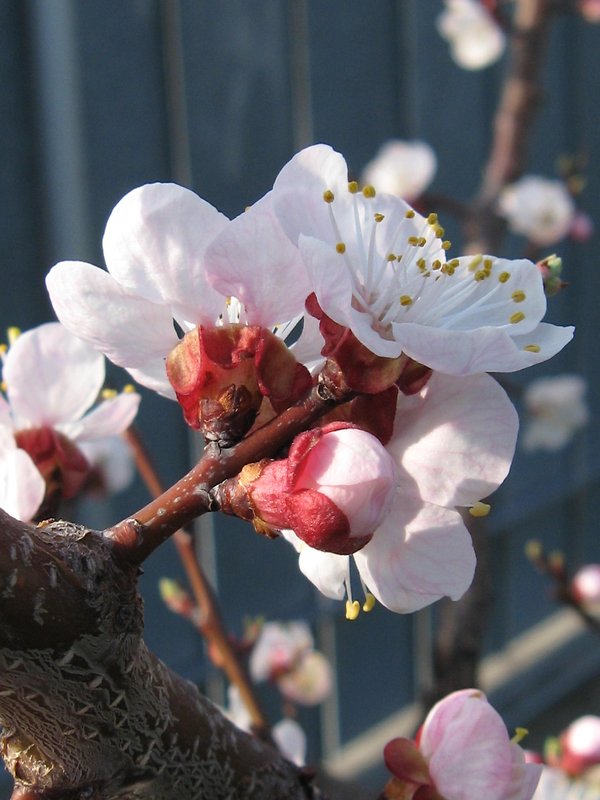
<point>556,409</point>
<point>538,208</point>
<point>475,38</point>
<point>402,168</point>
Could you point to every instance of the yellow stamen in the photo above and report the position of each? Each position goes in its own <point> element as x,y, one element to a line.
<point>446,245</point>
<point>406,300</point>
<point>369,603</point>
<point>480,275</point>
<point>12,334</point>
<point>391,257</point>
<point>518,316</point>
<point>353,187</point>
<point>340,247</point>
<point>108,394</point>
<point>518,296</point>
<point>503,277</point>
<point>369,191</point>
<point>414,240</point>
<point>476,261</point>
<point>480,509</point>
<point>532,348</point>
<point>328,196</point>
<point>520,734</point>
<point>410,214</point>
<point>439,231</point>
<point>432,219</point>
<point>378,217</point>
<point>436,264</point>
<point>129,388</point>
<point>352,609</point>
<point>3,348</point>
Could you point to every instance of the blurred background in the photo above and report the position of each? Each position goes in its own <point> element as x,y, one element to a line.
<point>101,96</point>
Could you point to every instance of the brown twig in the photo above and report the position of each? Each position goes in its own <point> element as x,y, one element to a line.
<point>210,623</point>
<point>136,537</point>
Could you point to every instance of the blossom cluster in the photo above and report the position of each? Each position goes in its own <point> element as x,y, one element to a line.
<point>200,308</point>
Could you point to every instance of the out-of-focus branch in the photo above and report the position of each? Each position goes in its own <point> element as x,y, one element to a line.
<point>210,623</point>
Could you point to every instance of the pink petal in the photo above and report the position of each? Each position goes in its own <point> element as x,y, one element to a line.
<point>154,246</point>
<point>456,439</point>
<point>467,746</point>
<point>110,418</point>
<point>130,331</point>
<point>253,260</point>
<point>52,376</point>
<point>22,488</point>
<point>419,554</point>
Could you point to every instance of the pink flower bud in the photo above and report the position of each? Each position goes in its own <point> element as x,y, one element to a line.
<point>585,585</point>
<point>580,744</point>
<point>333,490</point>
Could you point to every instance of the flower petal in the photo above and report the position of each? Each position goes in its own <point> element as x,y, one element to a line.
<point>110,418</point>
<point>130,331</point>
<point>52,376</point>
<point>22,488</point>
<point>154,246</point>
<point>419,554</point>
<point>327,571</point>
<point>456,439</point>
<point>253,260</point>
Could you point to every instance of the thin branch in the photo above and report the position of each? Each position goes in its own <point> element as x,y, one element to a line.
<point>211,623</point>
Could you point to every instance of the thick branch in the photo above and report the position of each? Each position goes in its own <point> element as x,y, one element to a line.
<point>87,710</point>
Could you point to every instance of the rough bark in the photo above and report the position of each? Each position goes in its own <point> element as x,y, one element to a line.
<point>86,710</point>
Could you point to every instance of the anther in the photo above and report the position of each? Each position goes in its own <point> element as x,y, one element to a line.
<point>414,240</point>
<point>369,603</point>
<point>410,214</point>
<point>532,348</point>
<point>518,316</point>
<point>353,187</point>
<point>340,247</point>
<point>129,388</point>
<point>446,245</point>
<point>406,300</point>
<point>480,275</point>
<point>518,296</point>
<point>475,262</point>
<point>352,609</point>
<point>108,394</point>
<point>369,191</point>
<point>378,217</point>
<point>432,219</point>
<point>12,334</point>
<point>503,277</point>
<point>436,264</point>
<point>328,196</point>
<point>391,257</point>
<point>480,509</point>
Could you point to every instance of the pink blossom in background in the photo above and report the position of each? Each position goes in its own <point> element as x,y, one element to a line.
<point>380,269</point>
<point>464,753</point>
<point>52,382</point>
<point>580,745</point>
<point>475,38</point>
<point>556,409</point>
<point>284,653</point>
<point>402,168</point>
<point>538,208</point>
<point>585,585</point>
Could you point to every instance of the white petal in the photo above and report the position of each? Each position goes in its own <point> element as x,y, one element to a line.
<point>51,375</point>
<point>22,488</point>
<point>456,439</point>
<point>291,741</point>
<point>419,554</point>
<point>153,376</point>
<point>129,330</point>
<point>253,260</point>
<point>154,246</point>
<point>327,571</point>
<point>5,415</point>
<point>110,418</point>
<point>307,350</point>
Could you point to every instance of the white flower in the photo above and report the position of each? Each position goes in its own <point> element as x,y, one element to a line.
<point>538,208</point>
<point>287,733</point>
<point>402,168</point>
<point>475,38</point>
<point>380,269</point>
<point>52,380</point>
<point>171,257</point>
<point>555,785</point>
<point>453,444</point>
<point>556,411</point>
<point>285,654</point>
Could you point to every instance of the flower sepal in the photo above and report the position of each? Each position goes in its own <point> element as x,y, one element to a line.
<point>220,376</point>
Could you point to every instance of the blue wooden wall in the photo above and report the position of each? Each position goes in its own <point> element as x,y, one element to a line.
<point>100,96</point>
